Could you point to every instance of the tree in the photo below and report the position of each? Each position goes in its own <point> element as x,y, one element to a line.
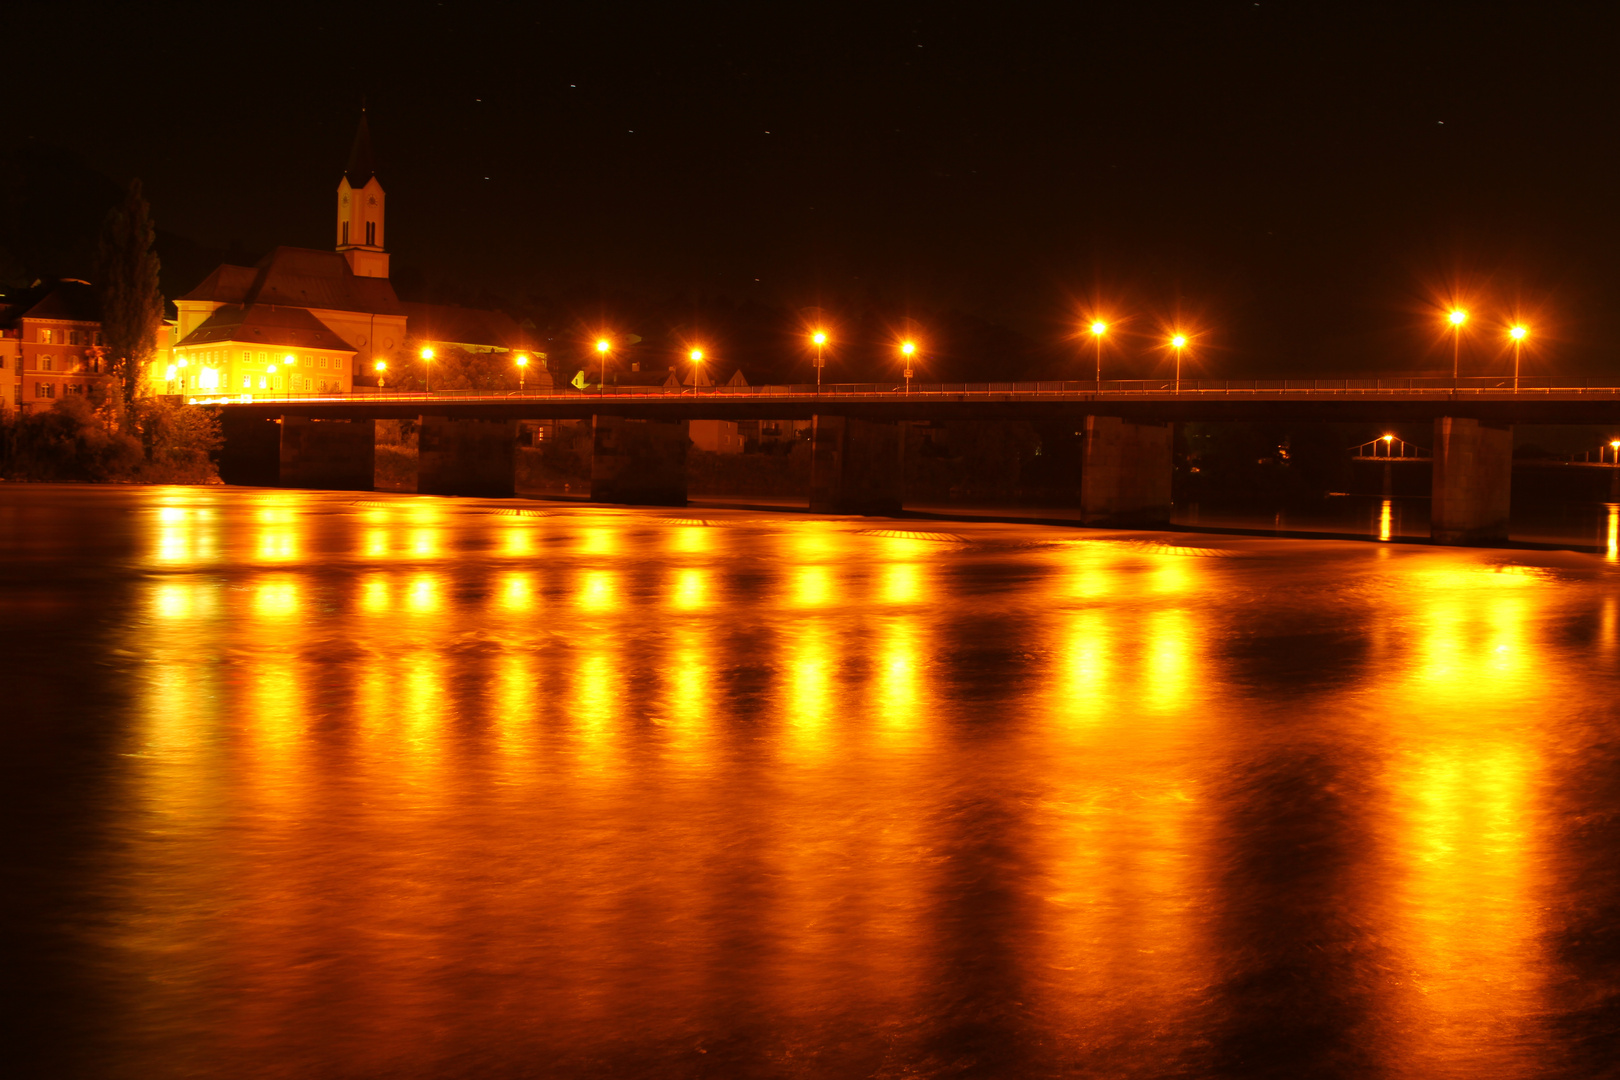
<point>131,305</point>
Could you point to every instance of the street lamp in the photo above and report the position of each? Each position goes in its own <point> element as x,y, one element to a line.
<point>1518,334</point>
<point>523,367</point>
<point>381,368</point>
<point>907,350</point>
<point>427,359</point>
<point>1098,329</point>
<point>1457,317</point>
<point>696,357</point>
<point>1178,342</point>
<point>819,339</point>
<point>602,347</point>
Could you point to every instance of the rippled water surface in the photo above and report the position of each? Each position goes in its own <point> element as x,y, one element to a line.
<point>330,785</point>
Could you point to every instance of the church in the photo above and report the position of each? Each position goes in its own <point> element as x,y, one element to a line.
<point>309,322</point>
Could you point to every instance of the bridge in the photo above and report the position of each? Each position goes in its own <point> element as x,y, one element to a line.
<point>467,440</point>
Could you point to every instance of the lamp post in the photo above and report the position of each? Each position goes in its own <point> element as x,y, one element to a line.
<point>1098,329</point>
<point>603,345</point>
<point>1178,342</point>
<point>696,356</point>
<point>819,339</point>
<point>1518,334</point>
<point>907,350</point>
<point>381,367</point>
<point>523,368</point>
<point>1457,317</point>
<point>427,360</point>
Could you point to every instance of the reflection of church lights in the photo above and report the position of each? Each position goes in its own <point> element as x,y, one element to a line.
<point>375,596</point>
<point>596,589</point>
<point>809,690</point>
<point>1614,532</point>
<point>1384,522</point>
<point>902,583</point>
<point>423,594</point>
<point>691,538</point>
<point>813,586</point>
<point>517,592</point>
<point>899,677</point>
<point>376,543</point>
<point>517,541</point>
<point>1170,658</point>
<point>691,586</point>
<point>598,541</point>
<point>424,542</point>
<point>276,598</point>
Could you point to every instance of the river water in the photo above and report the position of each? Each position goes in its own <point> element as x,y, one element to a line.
<point>334,785</point>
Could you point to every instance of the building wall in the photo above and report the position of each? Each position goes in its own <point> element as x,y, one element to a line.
<point>235,368</point>
<point>59,357</point>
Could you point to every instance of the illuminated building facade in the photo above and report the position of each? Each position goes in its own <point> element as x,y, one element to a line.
<point>50,344</point>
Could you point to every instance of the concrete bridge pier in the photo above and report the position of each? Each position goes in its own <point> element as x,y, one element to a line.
<point>855,466</point>
<point>1125,473</point>
<point>335,455</point>
<point>1473,474</point>
<point>251,454</point>
<point>641,462</point>
<point>466,457</point>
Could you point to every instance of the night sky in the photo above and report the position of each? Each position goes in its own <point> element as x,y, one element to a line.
<point>1299,185</point>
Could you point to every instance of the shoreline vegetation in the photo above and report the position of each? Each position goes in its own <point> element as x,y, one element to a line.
<point>94,438</point>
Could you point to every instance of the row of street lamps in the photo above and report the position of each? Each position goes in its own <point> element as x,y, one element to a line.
<point>1177,342</point>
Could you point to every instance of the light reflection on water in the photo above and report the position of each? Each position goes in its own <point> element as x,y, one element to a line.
<point>406,787</point>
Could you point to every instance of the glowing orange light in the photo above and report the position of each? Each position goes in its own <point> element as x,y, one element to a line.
<point>819,338</point>
<point>1099,328</point>
<point>522,361</point>
<point>427,353</point>
<point>1458,317</point>
<point>908,347</point>
<point>697,356</point>
<point>1518,333</point>
<point>1179,341</point>
<point>379,365</point>
<point>603,345</point>
<point>1389,438</point>
<point>1615,444</point>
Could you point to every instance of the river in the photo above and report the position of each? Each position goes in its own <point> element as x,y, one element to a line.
<point>304,784</point>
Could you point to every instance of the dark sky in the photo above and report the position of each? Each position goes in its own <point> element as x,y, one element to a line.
<point>1298,183</point>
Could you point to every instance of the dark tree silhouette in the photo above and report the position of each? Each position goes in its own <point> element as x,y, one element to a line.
<point>127,275</point>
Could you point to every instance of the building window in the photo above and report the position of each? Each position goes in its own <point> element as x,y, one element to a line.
<point>72,337</point>
<point>47,363</point>
<point>371,233</point>
<point>247,382</point>
<point>323,361</point>
<point>278,382</point>
<point>95,338</point>
<point>264,358</point>
<point>345,232</point>
<point>247,358</point>
<point>45,337</point>
<point>45,389</point>
<point>73,388</point>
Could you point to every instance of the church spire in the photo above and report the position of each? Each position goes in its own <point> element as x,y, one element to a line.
<point>361,166</point>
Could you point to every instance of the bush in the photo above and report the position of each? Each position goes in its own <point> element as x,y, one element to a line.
<point>157,442</point>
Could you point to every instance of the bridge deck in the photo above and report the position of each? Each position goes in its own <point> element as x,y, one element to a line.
<point>1409,400</point>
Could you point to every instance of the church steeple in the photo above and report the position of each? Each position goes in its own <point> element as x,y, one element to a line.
<point>361,203</point>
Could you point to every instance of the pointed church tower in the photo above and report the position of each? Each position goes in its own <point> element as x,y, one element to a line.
<point>360,210</point>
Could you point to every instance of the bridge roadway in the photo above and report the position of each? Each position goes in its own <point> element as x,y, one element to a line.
<point>467,441</point>
<point>1493,401</point>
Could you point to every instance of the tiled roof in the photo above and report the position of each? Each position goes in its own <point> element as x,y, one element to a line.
<point>282,327</point>
<point>70,300</point>
<point>463,326</point>
<point>300,277</point>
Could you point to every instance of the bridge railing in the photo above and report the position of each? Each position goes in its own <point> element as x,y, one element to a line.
<point>1086,388</point>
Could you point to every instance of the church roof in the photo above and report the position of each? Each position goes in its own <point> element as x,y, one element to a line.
<point>472,327</point>
<point>261,324</point>
<point>299,277</point>
<point>361,166</point>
